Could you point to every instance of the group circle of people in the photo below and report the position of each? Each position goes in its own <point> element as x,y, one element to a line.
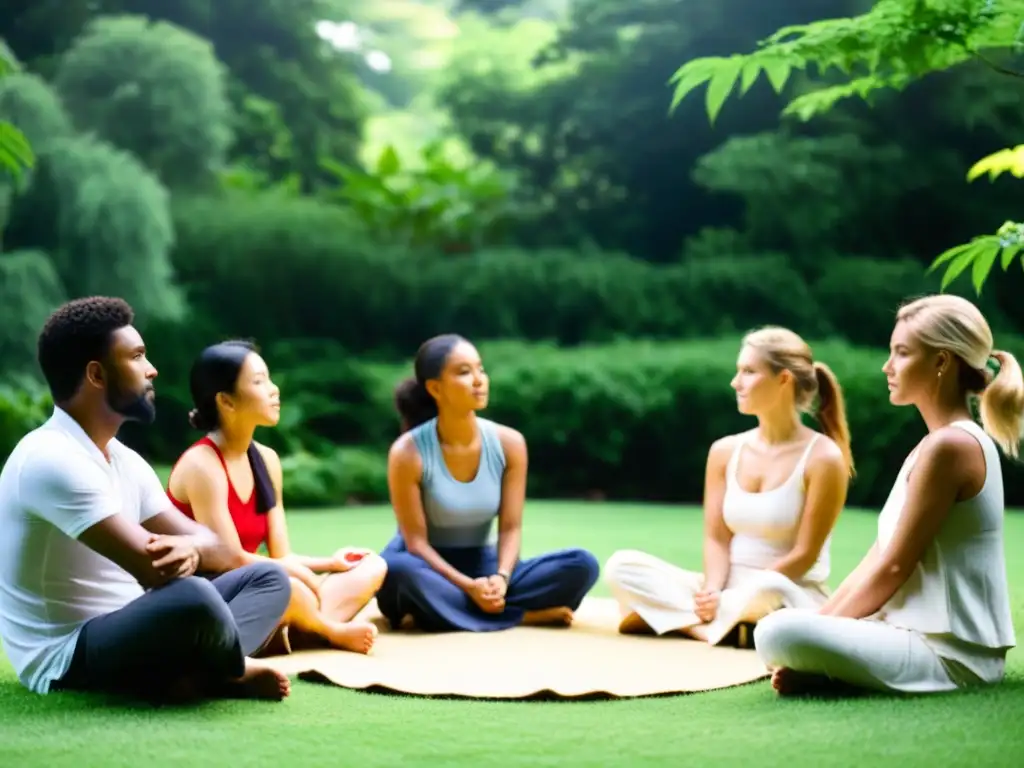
<point>110,581</point>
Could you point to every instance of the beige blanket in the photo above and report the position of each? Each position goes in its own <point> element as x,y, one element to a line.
<point>588,660</point>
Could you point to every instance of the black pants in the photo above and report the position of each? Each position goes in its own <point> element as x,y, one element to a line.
<point>194,627</point>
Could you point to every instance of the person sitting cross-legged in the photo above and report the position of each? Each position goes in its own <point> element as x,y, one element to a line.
<point>234,485</point>
<point>928,608</point>
<point>452,475</point>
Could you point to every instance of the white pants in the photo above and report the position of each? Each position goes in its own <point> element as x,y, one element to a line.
<point>662,594</point>
<point>862,652</point>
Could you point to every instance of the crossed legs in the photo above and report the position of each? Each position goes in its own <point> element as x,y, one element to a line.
<point>326,615</point>
<point>191,637</point>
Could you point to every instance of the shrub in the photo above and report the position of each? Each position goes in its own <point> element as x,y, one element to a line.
<point>325,277</point>
<point>635,420</point>
<point>342,476</point>
<point>862,295</point>
<point>21,411</point>
<point>626,420</point>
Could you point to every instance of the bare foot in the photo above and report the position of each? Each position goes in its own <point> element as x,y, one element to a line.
<point>789,682</point>
<point>634,625</point>
<point>549,617</point>
<point>357,636</point>
<point>260,682</point>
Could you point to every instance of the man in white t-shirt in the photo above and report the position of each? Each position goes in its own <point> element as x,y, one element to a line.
<point>97,584</point>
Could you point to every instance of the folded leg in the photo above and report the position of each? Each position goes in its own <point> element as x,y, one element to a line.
<point>189,629</point>
<point>813,651</point>
<point>412,588</point>
<point>554,580</point>
<point>659,593</point>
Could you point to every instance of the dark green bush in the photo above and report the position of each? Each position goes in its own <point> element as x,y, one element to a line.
<point>341,476</point>
<point>21,411</point>
<point>861,296</point>
<point>619,421</point>
<point>278,268</point>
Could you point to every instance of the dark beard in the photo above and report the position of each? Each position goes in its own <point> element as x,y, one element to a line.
<point>134,406</point>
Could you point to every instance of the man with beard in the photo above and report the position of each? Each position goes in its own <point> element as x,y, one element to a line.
<point>97,590</point>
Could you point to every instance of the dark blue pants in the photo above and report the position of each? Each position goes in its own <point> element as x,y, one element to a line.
<point>555,580</point>
<point>195,627</point>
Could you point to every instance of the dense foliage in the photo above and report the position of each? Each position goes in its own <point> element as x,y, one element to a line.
<point>340,179</point>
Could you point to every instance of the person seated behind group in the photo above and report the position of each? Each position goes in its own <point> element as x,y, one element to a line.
<point>233,485</point>
<point>928,608</point>
<point>450,476</point>
<point>771,500</point>
<point>97,590</point>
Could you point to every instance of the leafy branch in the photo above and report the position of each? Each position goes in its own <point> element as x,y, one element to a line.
<point>981,253</point>
<point>890,46</point>
<point>893,44</point>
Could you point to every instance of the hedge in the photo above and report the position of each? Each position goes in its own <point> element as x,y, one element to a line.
<point>280,268</point>
<point>621,421</point>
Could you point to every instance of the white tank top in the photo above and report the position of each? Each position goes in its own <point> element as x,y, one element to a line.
<point>957,596</point>
<point>764,525</point>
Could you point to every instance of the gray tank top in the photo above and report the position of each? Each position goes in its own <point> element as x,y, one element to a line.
<point>460,514</point>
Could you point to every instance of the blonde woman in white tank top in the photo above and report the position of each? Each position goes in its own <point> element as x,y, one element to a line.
<point>772,496</point>
<point>928,608</point>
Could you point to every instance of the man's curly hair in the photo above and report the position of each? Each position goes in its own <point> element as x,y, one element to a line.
<point>76,334</point>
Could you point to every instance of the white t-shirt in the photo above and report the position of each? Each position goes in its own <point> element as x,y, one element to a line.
<point>55,485</point>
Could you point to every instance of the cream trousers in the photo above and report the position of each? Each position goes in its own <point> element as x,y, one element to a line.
<point>861,652</point>
<point>662,594</point>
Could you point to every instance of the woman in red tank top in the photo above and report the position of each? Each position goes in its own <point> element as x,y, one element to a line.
<point>232,485</point>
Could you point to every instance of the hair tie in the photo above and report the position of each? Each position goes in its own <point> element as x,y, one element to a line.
<point>993,365</point>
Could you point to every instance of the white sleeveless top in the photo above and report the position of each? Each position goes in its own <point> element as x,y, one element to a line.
<point>958,596</point>
<point>764,525</point>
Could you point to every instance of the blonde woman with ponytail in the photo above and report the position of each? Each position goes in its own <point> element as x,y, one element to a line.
<point>928,608</point>
<point>771,499</point>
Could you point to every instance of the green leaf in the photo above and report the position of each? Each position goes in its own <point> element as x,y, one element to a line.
<point>692,74</point>
<point>750,72</point>
<point>15,153</point>
<point>14,141</point>
<point>1008,253</point>
<point>983,265</point>
<point>388,163</point>
<point>721,85</point>
<point>948,255</point>
<point>778,71</point>
<point>961,262</point>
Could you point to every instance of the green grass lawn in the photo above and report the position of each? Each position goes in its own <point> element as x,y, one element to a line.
<point>329,726</point>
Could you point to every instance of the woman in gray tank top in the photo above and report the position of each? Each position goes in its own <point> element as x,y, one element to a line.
<point>451,476</point>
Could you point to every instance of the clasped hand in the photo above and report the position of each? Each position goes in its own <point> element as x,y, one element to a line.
<point>174,557</point>
<point>705,605</point>
<point>488,592</point>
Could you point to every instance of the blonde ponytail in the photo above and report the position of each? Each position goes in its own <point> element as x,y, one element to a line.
<point>832,412</point>
<point>1002,404</point>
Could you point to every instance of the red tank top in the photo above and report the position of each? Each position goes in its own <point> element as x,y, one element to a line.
<point>252,527</point>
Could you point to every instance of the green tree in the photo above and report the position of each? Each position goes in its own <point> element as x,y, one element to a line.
<point>578,109</point>
<point>111,224</point>
<point>295,99</point>
<point>894,44</point>
<point>30,290</point>
<point>152,89</point>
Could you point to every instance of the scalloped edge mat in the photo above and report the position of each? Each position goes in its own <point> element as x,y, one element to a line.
<point>589,660</point>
